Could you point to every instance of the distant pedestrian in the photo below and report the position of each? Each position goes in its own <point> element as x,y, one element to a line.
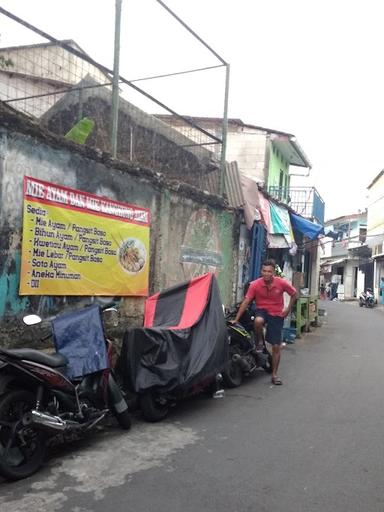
<point>322,291</point>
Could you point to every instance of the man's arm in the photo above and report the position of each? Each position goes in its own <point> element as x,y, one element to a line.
<point>242,309</point>
<point>292,300</point>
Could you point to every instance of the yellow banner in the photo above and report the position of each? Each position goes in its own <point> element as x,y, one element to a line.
<point>76,243</point>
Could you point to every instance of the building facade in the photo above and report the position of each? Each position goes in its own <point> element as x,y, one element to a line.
<point>375,228</point>
<point>345,261</point>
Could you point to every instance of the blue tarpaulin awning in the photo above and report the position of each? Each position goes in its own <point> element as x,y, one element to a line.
<point>306,227</point>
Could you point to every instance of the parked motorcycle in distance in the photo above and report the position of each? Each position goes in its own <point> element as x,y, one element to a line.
<point>41,400</point>
<point>245,355</point>
<point>367,298</point>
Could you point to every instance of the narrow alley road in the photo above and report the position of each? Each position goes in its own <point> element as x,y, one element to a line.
<point>314,444</point>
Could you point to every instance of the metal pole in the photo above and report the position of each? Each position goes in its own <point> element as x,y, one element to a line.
<point>191,31</point>
<point>115,81</point>
<point>224,131</point>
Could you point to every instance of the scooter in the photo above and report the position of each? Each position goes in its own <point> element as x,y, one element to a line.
<point>367,298</point>
<point>41,401</point>
<point>245,355</point>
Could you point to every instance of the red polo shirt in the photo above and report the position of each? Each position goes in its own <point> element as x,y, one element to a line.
<point>270,298</point>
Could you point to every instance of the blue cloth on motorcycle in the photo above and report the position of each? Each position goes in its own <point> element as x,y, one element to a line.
<point>79,335</point>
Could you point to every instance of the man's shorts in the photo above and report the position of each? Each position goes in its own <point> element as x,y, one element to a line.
<point>274,326</point>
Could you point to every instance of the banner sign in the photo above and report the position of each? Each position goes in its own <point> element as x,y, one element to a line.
<point>75,243</point>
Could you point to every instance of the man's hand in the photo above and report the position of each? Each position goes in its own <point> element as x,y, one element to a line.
<point>233,321</point>
<point>292,301</point>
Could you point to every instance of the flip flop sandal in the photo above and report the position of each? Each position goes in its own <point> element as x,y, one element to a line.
<point>276,381</point>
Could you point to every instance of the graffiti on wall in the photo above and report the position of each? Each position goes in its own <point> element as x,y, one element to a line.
<point>200,252</point>
<point>10,301</point>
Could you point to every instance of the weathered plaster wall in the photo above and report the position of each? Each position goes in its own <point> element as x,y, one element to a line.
<point>191,232</point>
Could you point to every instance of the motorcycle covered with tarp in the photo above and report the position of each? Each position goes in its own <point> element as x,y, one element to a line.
<point>180,350</point>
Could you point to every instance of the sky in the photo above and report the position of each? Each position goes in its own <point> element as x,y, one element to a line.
<point>306,67</point>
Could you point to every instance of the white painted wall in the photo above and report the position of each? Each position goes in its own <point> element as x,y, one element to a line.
<point>349,273</point>
<point>12,87</point>
<point>51,63</point>
<point>248,149</point>
<point>360,282</point>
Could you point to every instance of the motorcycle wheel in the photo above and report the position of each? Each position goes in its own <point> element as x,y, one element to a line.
<point>361,304</point>
<point>233,374</point>
<point>153,407</point>
<point>22,452</point>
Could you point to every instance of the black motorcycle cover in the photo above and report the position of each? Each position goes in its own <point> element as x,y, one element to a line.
<point>182,342</point>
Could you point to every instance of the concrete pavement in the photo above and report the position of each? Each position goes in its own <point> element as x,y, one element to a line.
<point>314,444</point>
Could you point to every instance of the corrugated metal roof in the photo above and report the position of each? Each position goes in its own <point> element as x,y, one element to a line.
<point>232,184</point>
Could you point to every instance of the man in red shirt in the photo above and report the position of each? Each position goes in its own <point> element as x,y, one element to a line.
<point>268,294</point>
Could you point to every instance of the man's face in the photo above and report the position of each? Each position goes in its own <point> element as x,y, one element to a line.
<point>267,273</point>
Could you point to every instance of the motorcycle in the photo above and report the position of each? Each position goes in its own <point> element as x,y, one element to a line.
<point>245,355</point>
<point>181,349</point>
<point>40,400</point>
<point>367,298</point>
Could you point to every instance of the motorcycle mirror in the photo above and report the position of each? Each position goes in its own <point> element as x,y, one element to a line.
<point>112,316</point>
<point>31,319</point>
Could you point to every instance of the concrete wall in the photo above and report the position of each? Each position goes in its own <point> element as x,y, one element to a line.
<point>375,217</point>
<point>360,283</point>
<point>51,62</point>
<point>12,86</point>
<point>245,145</point>
<point>183,219</point>
<point>248,149</point>
<point>42,69</point>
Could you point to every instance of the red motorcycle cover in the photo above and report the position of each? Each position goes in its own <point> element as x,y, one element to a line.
<point>182,342</point>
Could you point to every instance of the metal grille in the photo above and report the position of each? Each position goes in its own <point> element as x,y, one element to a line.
<point>57,83</point>
<point>306,201</point>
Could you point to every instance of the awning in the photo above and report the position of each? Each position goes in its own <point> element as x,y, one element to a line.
<point>332,262</point>
<point>279,219</point>
<point>250,193</point>
<point>277,241</point>
<point>265,211</point>
<point>306,227</point>
<point>326,266</point>
<point>373,240</point>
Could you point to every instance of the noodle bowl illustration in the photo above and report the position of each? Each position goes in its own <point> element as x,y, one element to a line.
<point>132,255</point>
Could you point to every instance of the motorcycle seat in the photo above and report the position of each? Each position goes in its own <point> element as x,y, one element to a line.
<point>54,360</point>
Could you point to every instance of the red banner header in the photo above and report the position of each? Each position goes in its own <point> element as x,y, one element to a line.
<point>44,192</point>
